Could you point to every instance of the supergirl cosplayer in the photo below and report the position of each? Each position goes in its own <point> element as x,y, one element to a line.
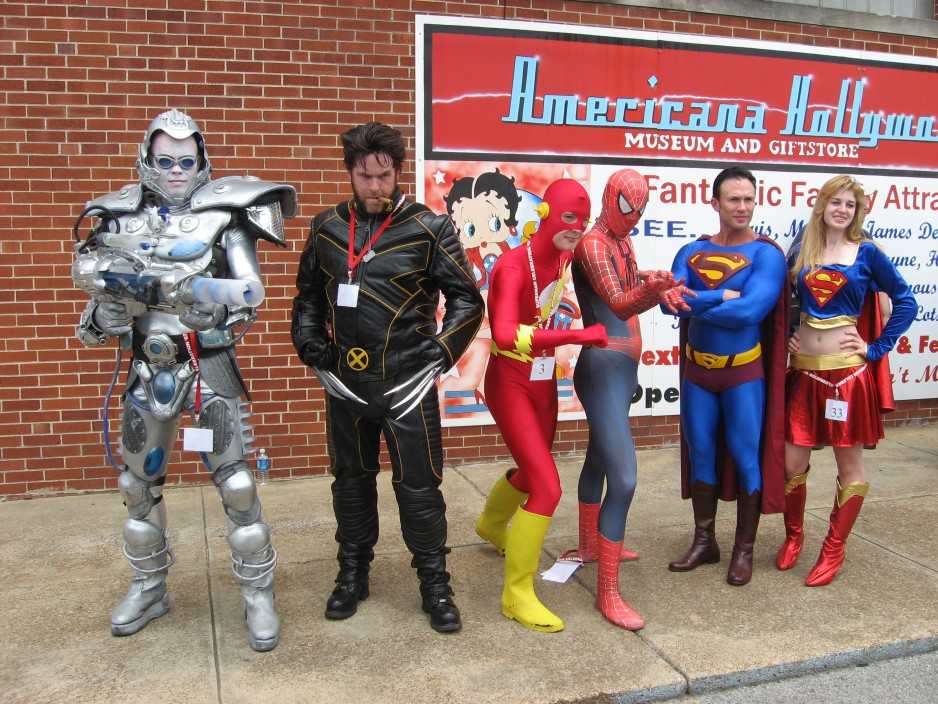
<point>839,382</point>
<point>526,287</point>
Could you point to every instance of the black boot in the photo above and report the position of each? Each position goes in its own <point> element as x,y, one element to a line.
<point>704,549</point>
<point>351,584</point>
<point>437,594</point>
<point>355,501</point>
<point>423,524</point>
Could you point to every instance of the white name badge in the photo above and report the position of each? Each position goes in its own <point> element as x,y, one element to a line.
<point>542,369</point>
<point>198,439</point>
<point>835,409</point>
<point>348,295</point>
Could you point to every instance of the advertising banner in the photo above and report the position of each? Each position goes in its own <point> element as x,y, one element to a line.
<point>506,108</point>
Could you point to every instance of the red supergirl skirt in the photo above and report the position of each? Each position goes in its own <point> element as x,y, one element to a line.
<point>806,399</point>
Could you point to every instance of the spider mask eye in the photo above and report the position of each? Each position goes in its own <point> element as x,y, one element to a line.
<point>624,206</point>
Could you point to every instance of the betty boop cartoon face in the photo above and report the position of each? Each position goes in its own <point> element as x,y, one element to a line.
<point>483,209</point>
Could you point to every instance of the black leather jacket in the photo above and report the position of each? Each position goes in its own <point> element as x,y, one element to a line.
<point>418,256</point>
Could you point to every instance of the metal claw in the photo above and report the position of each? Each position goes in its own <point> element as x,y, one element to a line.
<point>418,375</point>
<point>349,394</point>
<point>418,393</point>
<point>334,386</point>
<point>326,384</point>
<point>418,385</point>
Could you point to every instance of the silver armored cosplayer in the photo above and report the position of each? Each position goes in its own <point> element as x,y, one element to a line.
<point>172,272</point>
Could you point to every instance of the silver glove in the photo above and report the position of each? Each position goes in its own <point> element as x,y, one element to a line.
<point>112,318</point>
<point>203,316</point>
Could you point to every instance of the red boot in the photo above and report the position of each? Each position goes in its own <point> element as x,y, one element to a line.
<point>847,504</point>
<point>608,600</point>
<point>589,529</point>
<point>796,493</point>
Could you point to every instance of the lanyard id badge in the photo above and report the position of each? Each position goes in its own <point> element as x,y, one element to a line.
<point>198,439</point>
<point>835,409</point>
<point>542,369</point>
<point>348,295</point>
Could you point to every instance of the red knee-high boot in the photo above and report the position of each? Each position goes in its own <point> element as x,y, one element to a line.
<point>796,493</point>
<point>847,504</point>
<point>608,600</point>
<point>589,529</point>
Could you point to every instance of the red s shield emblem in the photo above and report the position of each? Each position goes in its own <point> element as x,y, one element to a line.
<point>714,268</point>
<point>824,284</point>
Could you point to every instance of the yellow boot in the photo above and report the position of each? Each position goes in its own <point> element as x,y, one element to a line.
<point>502,502</point>
<point>522,554</point>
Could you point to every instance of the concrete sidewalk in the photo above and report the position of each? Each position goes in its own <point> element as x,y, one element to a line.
<point>62,572</point>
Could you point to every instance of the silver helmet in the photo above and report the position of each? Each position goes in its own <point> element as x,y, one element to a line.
<point>177,125</point>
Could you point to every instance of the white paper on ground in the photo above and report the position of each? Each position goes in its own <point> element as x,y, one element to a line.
<point>561,570</point>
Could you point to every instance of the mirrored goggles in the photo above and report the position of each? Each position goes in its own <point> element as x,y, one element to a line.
<point>167,162</point>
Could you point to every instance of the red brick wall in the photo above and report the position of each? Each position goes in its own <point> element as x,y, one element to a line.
<point>273,84</point>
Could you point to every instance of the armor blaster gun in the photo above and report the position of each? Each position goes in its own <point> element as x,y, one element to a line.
<point>119,276</point>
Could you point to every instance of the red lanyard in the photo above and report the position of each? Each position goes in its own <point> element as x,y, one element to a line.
<point>354,259</point>
<point>192,345</point>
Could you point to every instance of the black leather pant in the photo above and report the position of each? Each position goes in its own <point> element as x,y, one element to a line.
<point>416,453</point>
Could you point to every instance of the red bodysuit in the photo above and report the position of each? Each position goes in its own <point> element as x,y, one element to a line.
<point>526,410</point>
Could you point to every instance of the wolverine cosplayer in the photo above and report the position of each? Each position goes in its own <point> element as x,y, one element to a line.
<point>364,319</point>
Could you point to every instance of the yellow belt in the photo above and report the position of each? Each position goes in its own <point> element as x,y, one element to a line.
<point>520,356</point>
<point>708,360</point>
<point>837,360</point>
<point>838,321</point>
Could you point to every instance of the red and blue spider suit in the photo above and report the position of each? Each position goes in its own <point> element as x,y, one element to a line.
<point>732,392</point>
<point>611,291</point>
<point>839,295</point>
<point>526,287</point>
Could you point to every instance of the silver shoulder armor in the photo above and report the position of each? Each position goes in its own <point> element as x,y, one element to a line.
<point>264,203</point>
<point>126,200</point>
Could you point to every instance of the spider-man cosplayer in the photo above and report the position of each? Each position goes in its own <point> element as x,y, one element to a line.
<point>521,392</point>
<point>732,376</point>
<point>611,290</point>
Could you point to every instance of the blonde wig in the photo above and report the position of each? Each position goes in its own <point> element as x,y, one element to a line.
<point>815,232</point>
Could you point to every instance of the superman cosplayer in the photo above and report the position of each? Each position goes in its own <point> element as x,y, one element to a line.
<point>611,290</point>
<point>839,383</point>
<point>732,387</point>
<point>526,287</point>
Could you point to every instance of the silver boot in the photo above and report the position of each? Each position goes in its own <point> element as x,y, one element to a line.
<point>253,561</point>
<point>146,549</point>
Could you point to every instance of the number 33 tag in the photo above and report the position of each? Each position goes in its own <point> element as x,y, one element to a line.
<point>835,409</point>
<point>542,369</point>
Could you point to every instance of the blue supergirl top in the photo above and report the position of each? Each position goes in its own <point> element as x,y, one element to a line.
<point>836,291</point>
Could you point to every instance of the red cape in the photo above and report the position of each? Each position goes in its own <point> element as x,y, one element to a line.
<point>774,362</point>
<point>870,326</point>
